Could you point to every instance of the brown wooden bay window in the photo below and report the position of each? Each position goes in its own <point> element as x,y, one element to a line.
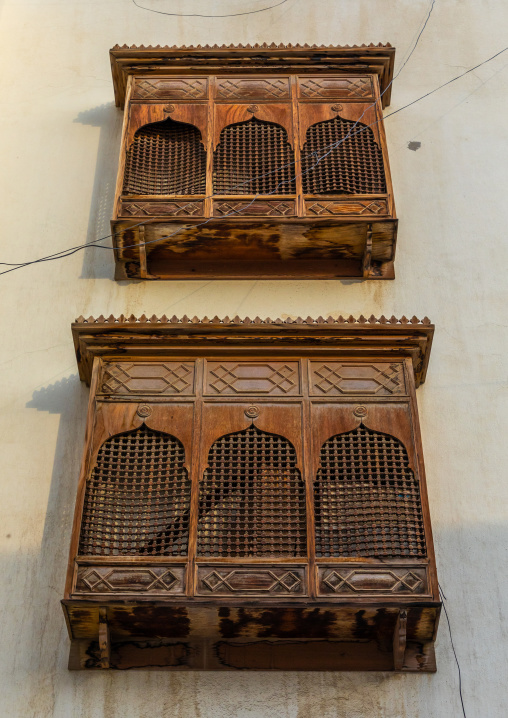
<point>252,495</point>
<point>263,161</point>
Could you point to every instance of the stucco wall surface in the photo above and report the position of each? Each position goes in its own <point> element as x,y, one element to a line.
<point>59,139</point>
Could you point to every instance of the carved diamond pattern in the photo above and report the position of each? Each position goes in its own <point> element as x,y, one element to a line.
<point>147,89</point>
<point>96,582</point>
<point>388,379</point>
<point>335,208</point>
<point>227,208</point>
<point>138,208</point>
<point>232,89</point>
<point>337,582</point>
<point>280,209</point>
<point>281,378</point>
<point>288,582</point>
<point>118,377</point>
<point>316,88</point>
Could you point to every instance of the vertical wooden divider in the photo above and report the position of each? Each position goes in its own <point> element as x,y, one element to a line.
<point>209,148</point>
<point>196,471</point>
<point>309,479</point>
<point>300,204</point>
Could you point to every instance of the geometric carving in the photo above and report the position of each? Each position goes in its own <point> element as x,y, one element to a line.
<point>351,378</point>
<point>148,378</point>
<point>128,579</point>
<point>254,580</point>
<point>338,207</point>
<point>162,209</point>
<point>253,88</point>
<point>174,88</point>
<point>361,581</point>
<point>263,207</point>
<point>252,378</point>
<point>335,87</point>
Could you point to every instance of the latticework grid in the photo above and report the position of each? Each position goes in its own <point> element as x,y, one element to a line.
<point>252,158</point>
<point>137,497</point>
<point>367,499</point>
<point>252,498</point>
<point>355,166</point>
<point>166,158</point>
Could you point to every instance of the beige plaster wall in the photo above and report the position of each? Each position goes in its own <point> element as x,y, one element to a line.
<point>59,138</point>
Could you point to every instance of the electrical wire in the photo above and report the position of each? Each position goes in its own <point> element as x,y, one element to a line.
<point>443,598</point>
<point>93,243</point>
<point>237,14</point>
<point>68,252</point>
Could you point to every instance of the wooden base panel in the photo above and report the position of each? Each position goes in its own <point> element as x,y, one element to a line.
<point>294,655</point>
<point>302,249</point>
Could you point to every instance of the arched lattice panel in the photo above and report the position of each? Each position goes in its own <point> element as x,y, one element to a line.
<point>252,498</point>
<point>367,498</point>
<point>137,497</point>
<point>253,157</point>
<point>353,166</point>
<point>166,158</point>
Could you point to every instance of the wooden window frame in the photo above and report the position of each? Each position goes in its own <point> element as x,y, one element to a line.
<point>170,375</point>
<point>291,234</point>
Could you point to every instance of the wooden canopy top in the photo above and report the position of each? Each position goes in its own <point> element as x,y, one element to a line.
<point>219,59</point>
<point>155,337</point>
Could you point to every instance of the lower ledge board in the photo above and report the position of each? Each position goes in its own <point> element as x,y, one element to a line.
<point>263,655</point>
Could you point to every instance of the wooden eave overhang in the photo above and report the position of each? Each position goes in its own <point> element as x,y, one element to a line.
<point>219,59</point>
<point>154,336</point>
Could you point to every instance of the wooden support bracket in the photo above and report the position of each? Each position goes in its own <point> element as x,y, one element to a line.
<point>104,638</point>
<point>367,254</point>
<point>399,640</point>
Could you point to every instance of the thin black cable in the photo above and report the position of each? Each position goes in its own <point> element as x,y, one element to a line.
<point>65,253</point>
<point>448,83</point>
<point>237,14</point>
<point>443,598</point>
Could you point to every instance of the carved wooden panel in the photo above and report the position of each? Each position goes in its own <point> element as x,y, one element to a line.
<point>152,579</point>
<point>171,88</point>
<point>358,580</point>
<point>241,580</point>
<point>262,378</point>
<point>252,88</point>
<point>331,87</point>
<point>267,208</point>
<point>181,208</point>
<point>135,378</point>
<point>357,378</point>
<point>337,207</point>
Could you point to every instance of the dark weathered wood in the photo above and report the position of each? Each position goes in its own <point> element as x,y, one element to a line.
<point>399,640</point>
<point>104,638</point>
<point>255,543</point>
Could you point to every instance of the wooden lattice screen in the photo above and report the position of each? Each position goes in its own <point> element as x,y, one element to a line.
<point>367,499</point>
<point>165,158</point>
<point>252,499</point>
<point>342,157</point>
<point>137,498</point>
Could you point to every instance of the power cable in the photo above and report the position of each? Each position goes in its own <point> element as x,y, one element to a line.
<point>236,14</point>
<point>443,598</point>
<point>64,253</point>
<point>93,243</point>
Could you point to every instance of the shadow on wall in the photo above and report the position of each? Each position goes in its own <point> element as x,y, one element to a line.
<point>99,263</point>
<point>45,570</point>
